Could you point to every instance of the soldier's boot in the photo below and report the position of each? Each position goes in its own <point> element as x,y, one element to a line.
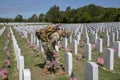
<point>45,71</point>
<point>59,71</point>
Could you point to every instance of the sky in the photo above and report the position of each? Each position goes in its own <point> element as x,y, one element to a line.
<point>26,8</point>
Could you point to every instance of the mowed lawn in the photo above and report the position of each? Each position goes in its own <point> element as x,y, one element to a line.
<point>12,71</point>
<point>35,63</point>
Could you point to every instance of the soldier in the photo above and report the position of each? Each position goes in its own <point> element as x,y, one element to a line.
<point>52,56</point>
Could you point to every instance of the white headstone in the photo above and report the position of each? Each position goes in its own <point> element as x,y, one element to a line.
<point>74,47</point>
<point>116,46</point>
<point>86,39</point>
<point>100,45</point>
<point>26,74</point>
<point>78,38</point>
<point>65,43</point>
<point>31,37</point>
<point>112,37</point>
<point>109,58</point>
<point>91,71</point>
<point>37,42</point>
<point>88,50</point>
<point>68,62</point>
<point>70,39</point>
<point>21,67</point>
<point>41,47</point>
<point>106,40</point>
<point>95,38</point>
<point>116,35</point>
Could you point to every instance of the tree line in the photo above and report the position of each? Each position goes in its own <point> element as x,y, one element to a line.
<point>88,14</point>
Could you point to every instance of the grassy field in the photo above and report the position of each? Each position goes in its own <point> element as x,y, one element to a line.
<point>35,62</point>
<point>12,71</point>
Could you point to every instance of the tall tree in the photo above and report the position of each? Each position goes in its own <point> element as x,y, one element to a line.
<point>41,17</point>
<point>18,18</point>
<point>34,18</point>
<point>53,15</point>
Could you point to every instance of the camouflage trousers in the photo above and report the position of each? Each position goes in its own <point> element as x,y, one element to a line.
<point>49,51</point>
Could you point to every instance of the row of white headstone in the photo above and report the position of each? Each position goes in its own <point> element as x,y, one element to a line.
<point>108,52</point>
<point>24,74</point>
<point>91,68</point>
<point>2,30</point>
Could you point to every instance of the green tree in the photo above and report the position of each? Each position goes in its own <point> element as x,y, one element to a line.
<point>41,17</point>
<point>34,18</point>
<point>18,18</point>
<point>53,15</point>
<point>85,18</point>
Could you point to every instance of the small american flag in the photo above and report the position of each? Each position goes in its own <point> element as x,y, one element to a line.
<point>94,46</point>
<point>67,49</point>
<point>7,53</point>
<point>5,48</point>
<point>7,62</point>
<point>3,73</point>
<point>79,56</point>
<point>100,60</point>
<point>113,49</point>
<point>35,47</point>
<point>9,34</point>
<point>38,51</point>
<point>57,26</point>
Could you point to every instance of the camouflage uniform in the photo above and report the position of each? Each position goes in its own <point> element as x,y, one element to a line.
<point>49,48</point>
<point>50,51</point>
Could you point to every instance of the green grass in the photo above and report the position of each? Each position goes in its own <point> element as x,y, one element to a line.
<point>34,63</point>
<point>12,71</point>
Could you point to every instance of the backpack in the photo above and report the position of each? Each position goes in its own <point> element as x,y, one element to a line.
<point>45,33</point>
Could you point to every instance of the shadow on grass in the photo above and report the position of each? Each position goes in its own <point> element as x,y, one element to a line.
<point>40,65</point>
<point>51,70</point>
